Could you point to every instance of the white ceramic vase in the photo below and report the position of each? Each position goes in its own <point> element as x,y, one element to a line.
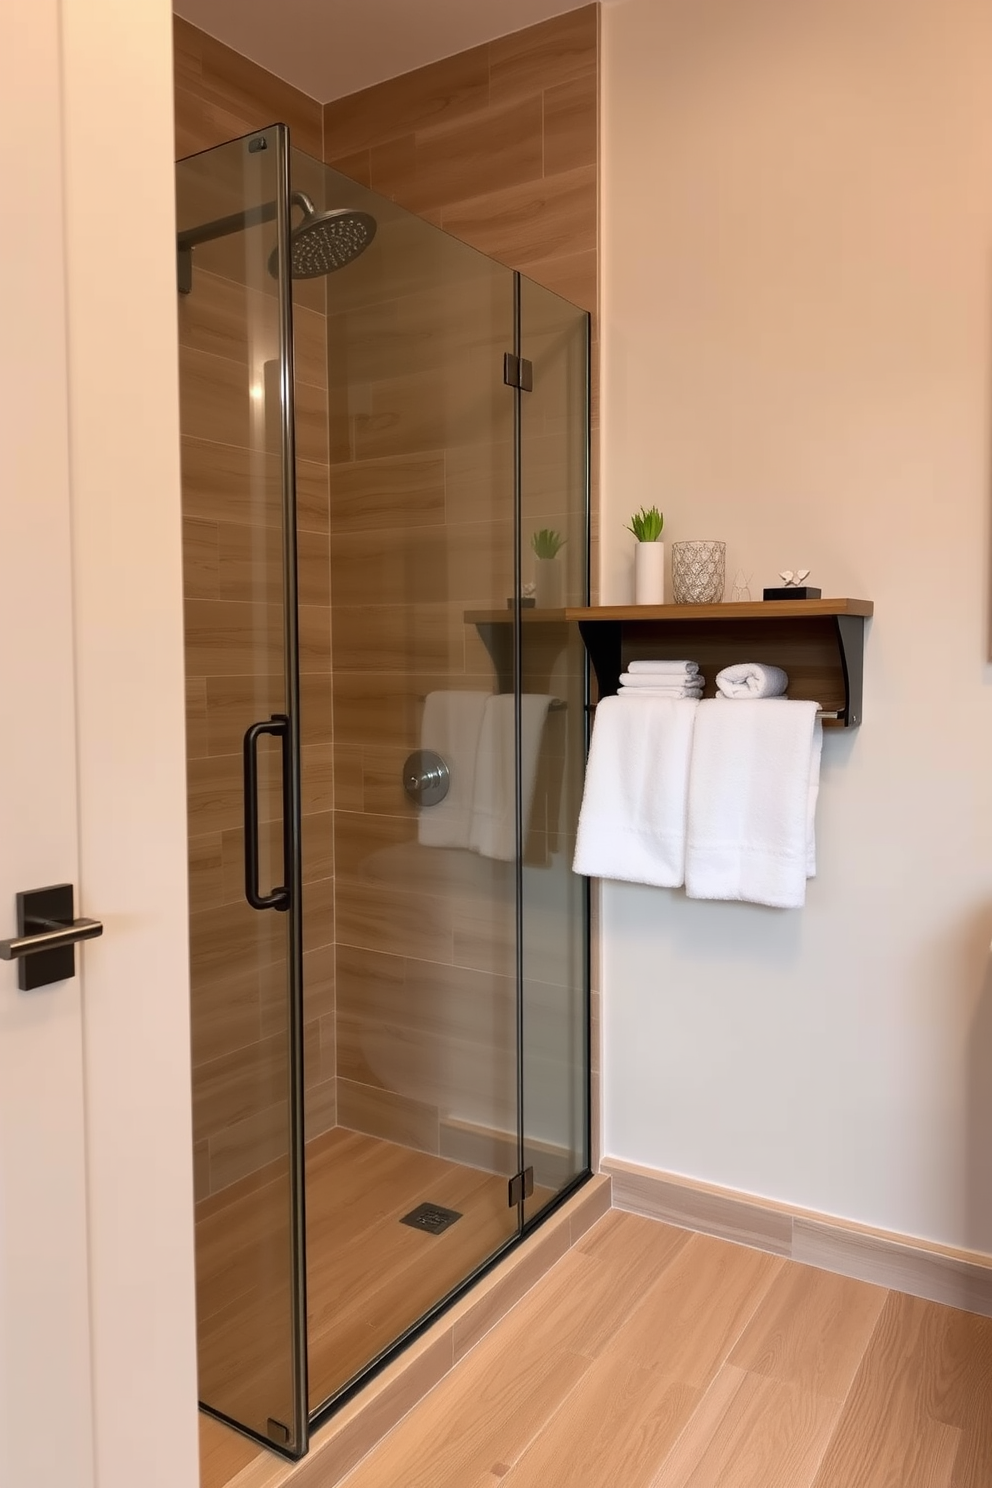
<point>649,573</point>
<point>549,584</point>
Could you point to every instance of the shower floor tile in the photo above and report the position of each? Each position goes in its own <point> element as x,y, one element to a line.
<point>369,1276</point>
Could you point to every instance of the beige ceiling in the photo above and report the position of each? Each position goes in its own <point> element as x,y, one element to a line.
<point>329,48</point>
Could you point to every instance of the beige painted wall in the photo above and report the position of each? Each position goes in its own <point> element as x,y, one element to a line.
<point>797,225</point>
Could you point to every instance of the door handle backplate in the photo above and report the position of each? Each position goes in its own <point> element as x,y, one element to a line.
<point>46,938</point>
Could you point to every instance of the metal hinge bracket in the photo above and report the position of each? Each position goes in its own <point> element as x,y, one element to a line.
<point>518,372</point>
<point>520,1187</point>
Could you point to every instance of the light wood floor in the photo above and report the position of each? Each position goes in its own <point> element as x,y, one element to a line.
<point>652,1358</point>
<point>369,1277</point>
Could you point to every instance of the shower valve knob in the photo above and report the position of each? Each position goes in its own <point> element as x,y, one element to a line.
<point>426,777</point>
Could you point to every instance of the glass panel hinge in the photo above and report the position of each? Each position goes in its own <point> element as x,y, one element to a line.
<point>518,372</point>
<point>520,1187</point>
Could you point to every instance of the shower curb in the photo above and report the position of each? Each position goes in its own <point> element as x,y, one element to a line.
<point>361,1424</point>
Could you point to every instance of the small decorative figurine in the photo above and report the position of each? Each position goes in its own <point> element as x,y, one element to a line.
<point>795,586</point>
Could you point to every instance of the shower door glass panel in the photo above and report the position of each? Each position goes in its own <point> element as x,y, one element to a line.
<point>236,407</point>
<point>421,503</point>
<point>554,337</point>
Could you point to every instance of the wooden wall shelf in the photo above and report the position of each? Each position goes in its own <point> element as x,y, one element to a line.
<point>819,642</point>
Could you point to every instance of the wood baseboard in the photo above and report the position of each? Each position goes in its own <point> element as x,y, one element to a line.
<point>958,1278</point>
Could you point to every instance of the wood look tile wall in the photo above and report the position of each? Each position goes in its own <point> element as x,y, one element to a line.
<point>233,590</point>
<point>497,145</point>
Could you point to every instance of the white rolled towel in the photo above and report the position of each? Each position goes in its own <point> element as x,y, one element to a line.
<point>665,668</point>
<point>752,679</point>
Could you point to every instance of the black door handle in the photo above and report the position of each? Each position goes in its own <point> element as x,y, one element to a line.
<point>279,898</point>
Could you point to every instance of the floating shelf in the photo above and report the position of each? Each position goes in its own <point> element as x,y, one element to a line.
<point>819,642</point>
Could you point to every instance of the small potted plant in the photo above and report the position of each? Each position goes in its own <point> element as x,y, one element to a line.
<point>548,572</point>
<point>649,556</point>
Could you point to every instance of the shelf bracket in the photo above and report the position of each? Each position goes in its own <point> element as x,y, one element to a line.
<point>851,645</point>
<point>604,643</point>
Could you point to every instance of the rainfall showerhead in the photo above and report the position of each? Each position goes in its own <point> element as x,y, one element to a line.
<point>319,243</point>
<point>322,242</point>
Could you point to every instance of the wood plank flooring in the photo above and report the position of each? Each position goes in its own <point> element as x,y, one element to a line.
<point>650,1357</point>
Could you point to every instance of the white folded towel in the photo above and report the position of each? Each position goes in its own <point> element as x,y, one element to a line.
<point>493,827</point>
<point>633,817</point>
<point>450,726</point>
<point>752,679</point>
<point>675,668</point>
<point>669,692</point>
<point>662,679</point>
<point>753,786</point>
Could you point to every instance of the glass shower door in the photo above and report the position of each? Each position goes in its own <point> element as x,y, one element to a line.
<point>243,747</point>
<point>554,482</point>
<point>409,1196</point>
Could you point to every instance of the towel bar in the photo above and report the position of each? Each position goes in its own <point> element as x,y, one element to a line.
<point>556,705</point>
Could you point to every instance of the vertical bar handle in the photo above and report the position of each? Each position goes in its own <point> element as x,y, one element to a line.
<point>279,898</point>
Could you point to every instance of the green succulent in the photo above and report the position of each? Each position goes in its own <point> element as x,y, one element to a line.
<point>546,543</point>
<point>646,524</point>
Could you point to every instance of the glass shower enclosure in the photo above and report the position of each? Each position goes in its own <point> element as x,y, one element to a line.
<point>385,508</point>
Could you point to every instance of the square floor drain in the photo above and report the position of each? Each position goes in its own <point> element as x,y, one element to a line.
<point>430,1217</point>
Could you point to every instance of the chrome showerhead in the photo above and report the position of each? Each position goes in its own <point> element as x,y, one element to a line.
<point>324,241</point>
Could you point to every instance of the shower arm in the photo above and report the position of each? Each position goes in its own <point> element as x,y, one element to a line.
<point>225,227</point>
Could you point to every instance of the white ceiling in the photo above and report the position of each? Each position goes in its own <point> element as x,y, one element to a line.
<point>329,48</point>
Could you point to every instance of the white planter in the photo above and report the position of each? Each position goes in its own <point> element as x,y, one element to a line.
<point>549,583</point>
<point>649,573</point>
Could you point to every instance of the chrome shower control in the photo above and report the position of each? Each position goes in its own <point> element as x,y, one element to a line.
<point>426,777</point>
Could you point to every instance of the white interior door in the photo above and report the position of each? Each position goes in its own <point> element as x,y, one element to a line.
<point>97,1354</point>
<point>44,1304</point>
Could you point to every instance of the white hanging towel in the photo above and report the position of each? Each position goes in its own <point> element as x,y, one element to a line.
<point>633,818</point>
<point>451,726</point>
<point>753,786</point>
<point>493,827</point>
<point>752,679</point>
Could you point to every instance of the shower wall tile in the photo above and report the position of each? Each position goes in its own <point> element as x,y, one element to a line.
<point>318,914</point>
<point>423,565</point>
<point>381,1113</point>
<point>544,56</point>
<point>249,564</point>
<point>442,93</point>
<point>497,145</point>
<point>206,870</point>
<point>571,138</point>
<point>201,559</point>
<point>220,95</point>
<point>398,921</point>
<point>196,717</point>
<point>318,976</point>
<point>357,167</point>
<point>528,223</point>
<point>399,492</point>
<point>507,138</point>
<point>222,483</point>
